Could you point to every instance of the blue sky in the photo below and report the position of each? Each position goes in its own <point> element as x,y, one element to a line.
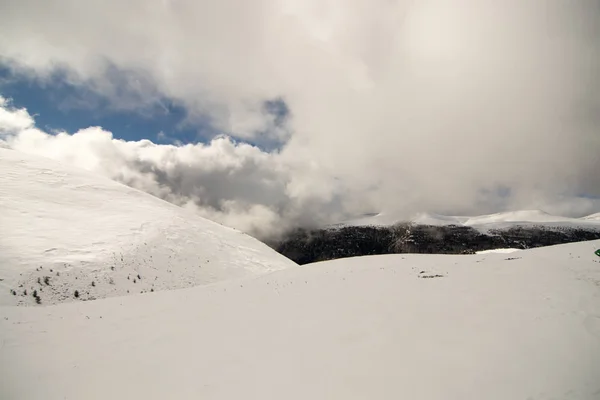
<point>58,105</point>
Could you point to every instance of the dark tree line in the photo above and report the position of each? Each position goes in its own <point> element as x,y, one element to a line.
<point>305,246</point>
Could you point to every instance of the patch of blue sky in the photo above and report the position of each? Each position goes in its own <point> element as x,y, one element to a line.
<point>59,105</point>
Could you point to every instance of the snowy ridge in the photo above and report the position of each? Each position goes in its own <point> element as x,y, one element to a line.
<point>427,327</point>
<point>490,221</point>
<point>65,230</point>
<point>593,217</point>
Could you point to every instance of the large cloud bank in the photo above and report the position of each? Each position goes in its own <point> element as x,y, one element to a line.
<point>233,183</point>
<point>452,106</point>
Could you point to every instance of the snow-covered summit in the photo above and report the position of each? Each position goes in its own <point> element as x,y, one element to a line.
<point>502,219</point>
<point>64,230</point>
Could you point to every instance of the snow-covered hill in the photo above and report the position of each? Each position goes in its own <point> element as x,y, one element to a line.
<point>484,222</point>
<point>64,230</point>
<point>425,327</point>
<point>593,217</point>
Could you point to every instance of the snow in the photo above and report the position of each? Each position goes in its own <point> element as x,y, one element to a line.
<point>501,251</point>
<point>430,327</point>
<point>593,217</point>
<point>517,216</point>
<point>245,322</point>
<point>87,233</point>
<point>482,222</point>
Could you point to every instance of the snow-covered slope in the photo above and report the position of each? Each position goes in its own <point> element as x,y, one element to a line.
<point>593,217</point>
<point>423,327</point>
<point>64,229</point>
<point>523,216</point>
<point>505,219</point>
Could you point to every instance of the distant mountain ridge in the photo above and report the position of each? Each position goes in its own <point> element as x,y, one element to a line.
<point>481,221</point>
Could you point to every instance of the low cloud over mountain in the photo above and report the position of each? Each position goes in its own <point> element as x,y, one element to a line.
<point>454,107</point>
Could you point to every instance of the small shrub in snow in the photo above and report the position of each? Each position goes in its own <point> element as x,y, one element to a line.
<point>76,294</point>
<point>93,283</point>
<point>47,280</point>
<point>14,293</point>
<point>37,298</point>
<point>431,276</point>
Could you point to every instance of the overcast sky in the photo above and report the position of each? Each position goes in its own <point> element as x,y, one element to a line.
<point>267,114</point>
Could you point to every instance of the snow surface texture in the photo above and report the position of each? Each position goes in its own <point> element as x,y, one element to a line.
<point>425,327</point>
<point>501,251</point>
<point>483,222</point>
<point>64,230</point>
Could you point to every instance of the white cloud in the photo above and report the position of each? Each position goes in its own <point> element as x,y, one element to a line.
<point>13,120</point>
<point>458,106</point>
<point>234,183</point>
